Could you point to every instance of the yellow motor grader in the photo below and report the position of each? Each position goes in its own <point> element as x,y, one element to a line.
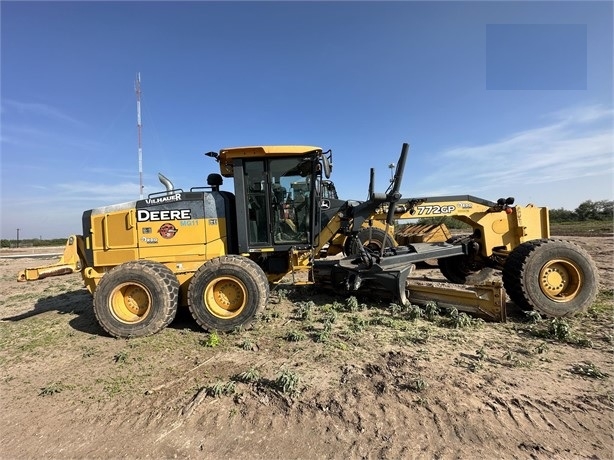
<point>218,252</point>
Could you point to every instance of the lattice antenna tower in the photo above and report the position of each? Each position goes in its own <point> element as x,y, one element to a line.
<point>137,88</point>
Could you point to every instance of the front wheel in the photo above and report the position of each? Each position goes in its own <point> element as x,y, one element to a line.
<point>371,238</point>
<point>456,269</point>
<point>227,292</point>
<point>136,299</point>
<point>554,277</point>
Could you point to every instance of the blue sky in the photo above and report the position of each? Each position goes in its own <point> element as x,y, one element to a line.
<point>495,98</point>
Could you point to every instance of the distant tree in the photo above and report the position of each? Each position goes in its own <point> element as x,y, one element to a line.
<point>595,210</point>
<point>562,215</point>
<point>5,243</point>
<point>605,208</point>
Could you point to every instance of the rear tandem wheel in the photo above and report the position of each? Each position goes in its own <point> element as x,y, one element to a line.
<point>554,277</point>
<point>227,292</point>
<point>136,299</point>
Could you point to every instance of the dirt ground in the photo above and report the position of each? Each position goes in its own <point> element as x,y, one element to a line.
<point>316,377</point>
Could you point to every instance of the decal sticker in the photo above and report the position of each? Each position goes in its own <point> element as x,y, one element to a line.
<point>164,199</point>
<point>144,215</point>
<point>212,221</point>
<point>146,230</point>
<point>167,231</point>
<point>188,223</point>
<point>465,205</point>
<point>149,240</point>
<point>435,209</point>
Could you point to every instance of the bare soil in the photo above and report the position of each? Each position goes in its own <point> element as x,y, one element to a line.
<point>331,379</point>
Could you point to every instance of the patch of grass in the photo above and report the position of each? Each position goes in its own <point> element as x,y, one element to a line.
<point>295,336</point>
<point>541,348</point>
<point>357,324</point>
<point>88,352</point>
<point>220,388</point>
<point>603,305</point>
<point>420,336</point>
<point>588,369</point>
<point>52,389</point>
<point>322,336</point>
<point>514,361</point>
<point>116,385</point>
<point>560,330</point>
<point>266,318</point>
<point>121,357</point>
<point>417,385</point>
<point>586,227</point>
<point>481,353</point>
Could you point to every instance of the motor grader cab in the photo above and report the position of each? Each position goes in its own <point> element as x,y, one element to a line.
<point>217,252</point>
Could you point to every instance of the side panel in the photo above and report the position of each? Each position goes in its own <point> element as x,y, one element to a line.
<point>171,228</point>
<point>182,230</point>
<point>113,238</point>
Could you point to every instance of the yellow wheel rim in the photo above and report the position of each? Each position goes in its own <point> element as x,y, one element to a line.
<point>560,280</point>
<point>225,297</point>
<point>130,303</point>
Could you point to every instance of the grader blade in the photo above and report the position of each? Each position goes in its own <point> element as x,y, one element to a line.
<point>484,300</point>
<point>70,262</point>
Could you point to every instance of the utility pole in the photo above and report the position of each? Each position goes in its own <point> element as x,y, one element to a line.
<point>17,237</point>
<point>137,88</point>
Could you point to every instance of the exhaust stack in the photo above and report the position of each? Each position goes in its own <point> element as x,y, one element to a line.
<point>166,182</point>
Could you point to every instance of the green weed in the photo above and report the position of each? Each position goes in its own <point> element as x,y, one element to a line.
<point>249,376</point>
<point>431,310</point>
<point>304,310</point>
<point>357,323</point>
<point>116,385</point>
<point>287,382</point>
<point>417,385</point>
<point>121,357</point>
<point>459,320</point>
<point>52,389</point>
<point>532,316</point>
<point>588,369</point>
<point>322,336</point>
<point>220,388</point>
<point>395,308</point>
<point>559,329</point>
<point>247,345</point>
<point>413,312</point>
<point>212,341</point>
<point>295,336</point>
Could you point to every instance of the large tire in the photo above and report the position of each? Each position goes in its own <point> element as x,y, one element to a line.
<point>227,292</point>
<point>456,269</point>
<point>136,299</point>
<point>372,239</point>
<point>554,277</point>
